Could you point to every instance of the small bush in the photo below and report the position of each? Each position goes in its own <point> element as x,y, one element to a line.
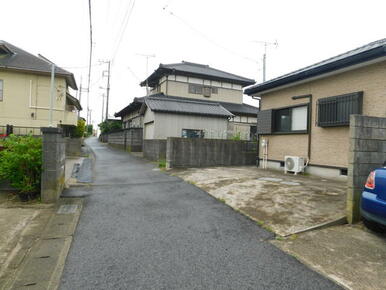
<point>21,163</point>
<point>80,129</point>
<point>162,163</point>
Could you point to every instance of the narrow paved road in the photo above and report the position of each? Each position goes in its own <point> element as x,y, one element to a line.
<point>143,229</point>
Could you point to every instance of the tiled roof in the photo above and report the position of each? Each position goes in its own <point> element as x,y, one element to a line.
<point>15,58</point>
<point>364,53</point>
<point>181,106</point>
<point>198,70</point>
<point>234,108</point>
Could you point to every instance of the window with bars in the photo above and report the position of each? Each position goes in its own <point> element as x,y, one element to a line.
<point>335,111</point>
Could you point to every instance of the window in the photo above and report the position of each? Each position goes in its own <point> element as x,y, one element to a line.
<point>294,119</point>
<point>192,133</point>
<point>1,90</point>
<point>202,90</point>
<point>336,111</point>
<point>195,89</point>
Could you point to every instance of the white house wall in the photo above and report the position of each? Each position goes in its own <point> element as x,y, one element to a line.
<point>171,125</point>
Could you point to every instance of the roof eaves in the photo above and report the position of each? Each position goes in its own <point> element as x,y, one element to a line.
<point>351,60</point>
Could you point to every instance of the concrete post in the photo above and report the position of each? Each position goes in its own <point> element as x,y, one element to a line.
<point>367,152</point>
<point>54,154</point>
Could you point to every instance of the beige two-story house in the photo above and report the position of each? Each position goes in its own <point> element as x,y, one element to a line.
<point>306,113</point>
<point>194,101</point>
<point>25,92</point>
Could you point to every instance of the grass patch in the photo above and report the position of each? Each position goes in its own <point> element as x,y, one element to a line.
<point>162,163</point>
<point>265,226</point>
<point>222,200</point>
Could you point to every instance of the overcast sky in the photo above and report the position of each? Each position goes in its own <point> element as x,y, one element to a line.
<point>223,34</point>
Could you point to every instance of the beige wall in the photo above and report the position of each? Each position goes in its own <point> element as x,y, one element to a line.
<point>26,94</point>
<point>329,145</point>
<point>174,88</point>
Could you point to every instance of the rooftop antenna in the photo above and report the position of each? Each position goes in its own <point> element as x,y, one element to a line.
<point>147,68</point>
<point>266,43</point>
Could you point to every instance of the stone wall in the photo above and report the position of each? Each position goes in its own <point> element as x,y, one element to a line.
<point>129,139</point>
<point>154,149</point>
<point>54,155</point>
<point>73,146</point>
<point>185,152</point>
<point>367,152</point>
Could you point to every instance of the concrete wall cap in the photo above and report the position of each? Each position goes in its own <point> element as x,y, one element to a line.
<point>51,130</point>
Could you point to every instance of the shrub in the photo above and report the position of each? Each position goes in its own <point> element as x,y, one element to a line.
<point>110,125</point>
<point>80,129</point>
<point>21,163</point>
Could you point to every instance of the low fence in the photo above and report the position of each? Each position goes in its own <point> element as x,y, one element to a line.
<point>17,130</point>
<point>129,139</point>
<point>195,152</point>
<point>154,149</point>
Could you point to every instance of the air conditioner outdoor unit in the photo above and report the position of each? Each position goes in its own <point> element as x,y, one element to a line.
<point>293,164</point>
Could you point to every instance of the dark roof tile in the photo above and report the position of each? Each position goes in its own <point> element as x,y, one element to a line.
<point>16,58</point>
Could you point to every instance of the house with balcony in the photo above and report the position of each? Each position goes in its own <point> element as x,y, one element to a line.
<point>25,92</point>
<point>193,101</point>
<point>305,115</point>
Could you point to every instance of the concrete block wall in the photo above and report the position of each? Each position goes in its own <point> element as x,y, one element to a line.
<point>54,155</point>
<point>154,149</point>
<point>129,139</point>
<point>367,152</point>
<point>73,146</point>
<point>185,152</point>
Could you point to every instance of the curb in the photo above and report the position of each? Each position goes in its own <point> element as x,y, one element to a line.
<point>43,265</point>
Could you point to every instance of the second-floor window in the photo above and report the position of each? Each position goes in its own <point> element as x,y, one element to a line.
<point>202,90</point>
<point>1,90</point>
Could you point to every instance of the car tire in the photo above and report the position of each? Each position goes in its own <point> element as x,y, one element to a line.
<point>373,226</point>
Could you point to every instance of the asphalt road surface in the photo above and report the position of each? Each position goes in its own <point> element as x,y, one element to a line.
<point>143,229</point>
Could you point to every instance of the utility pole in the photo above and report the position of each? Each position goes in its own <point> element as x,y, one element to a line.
<point>52,95</point>
<point>89,64</point>
<point>108,90</point>
<point>147,68</point>
<point>108,86</point>
<point>103,106</point>
<point>266,43</point>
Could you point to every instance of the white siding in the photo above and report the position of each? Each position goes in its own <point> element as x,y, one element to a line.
<point>171,125</point>
<point>149,131</point>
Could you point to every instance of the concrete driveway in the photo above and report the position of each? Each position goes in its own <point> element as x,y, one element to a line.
<point>285,204</point>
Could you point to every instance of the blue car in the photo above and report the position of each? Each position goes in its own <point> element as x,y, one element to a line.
<point>373,203</point>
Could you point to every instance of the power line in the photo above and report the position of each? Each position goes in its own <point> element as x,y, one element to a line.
<point>125,21</point>
<point>207,38</point>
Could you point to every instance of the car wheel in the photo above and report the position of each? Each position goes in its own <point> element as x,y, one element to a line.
<point>375,227</point>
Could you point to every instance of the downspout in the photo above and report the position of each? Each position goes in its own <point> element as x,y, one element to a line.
<point>309,125</point>
<point>257,133</point>
<point>167,82</point>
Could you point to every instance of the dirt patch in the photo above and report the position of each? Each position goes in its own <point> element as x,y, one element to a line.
<point>285,203</point>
